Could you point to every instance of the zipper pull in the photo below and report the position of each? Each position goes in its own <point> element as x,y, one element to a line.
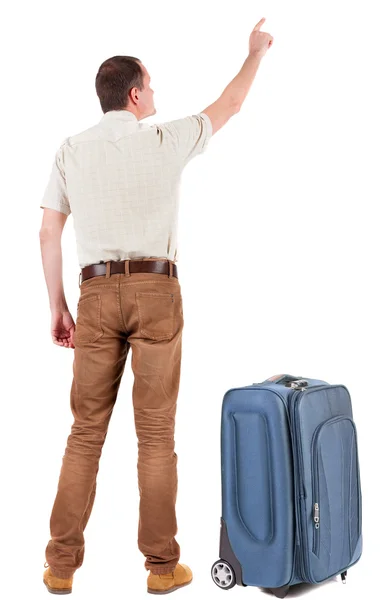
<point>316,515</point>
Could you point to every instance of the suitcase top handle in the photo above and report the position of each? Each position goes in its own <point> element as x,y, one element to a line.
<point>288,380</point>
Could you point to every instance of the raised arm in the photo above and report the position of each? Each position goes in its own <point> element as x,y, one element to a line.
<point>235,93</point>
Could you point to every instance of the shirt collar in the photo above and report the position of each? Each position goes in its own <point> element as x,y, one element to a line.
<point>125,115</point>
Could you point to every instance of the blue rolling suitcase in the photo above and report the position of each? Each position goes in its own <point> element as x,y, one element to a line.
<point>291,495</point>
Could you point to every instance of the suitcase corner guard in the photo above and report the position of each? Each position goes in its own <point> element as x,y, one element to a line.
<point>226,553</point>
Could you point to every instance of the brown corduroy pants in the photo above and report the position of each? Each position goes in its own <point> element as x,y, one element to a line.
<point>115,312</point>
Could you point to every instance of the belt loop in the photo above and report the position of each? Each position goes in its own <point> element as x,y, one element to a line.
<point>108,269</point>
<point>170,269</point>
<point>126,265</point>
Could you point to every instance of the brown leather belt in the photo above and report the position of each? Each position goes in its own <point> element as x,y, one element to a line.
<point>135,266</point>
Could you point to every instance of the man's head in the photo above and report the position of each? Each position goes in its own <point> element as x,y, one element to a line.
<point>123,82</point>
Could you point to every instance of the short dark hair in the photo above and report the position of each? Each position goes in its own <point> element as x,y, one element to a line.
<point>115,79</point>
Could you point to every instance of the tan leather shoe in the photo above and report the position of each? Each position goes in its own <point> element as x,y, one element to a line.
<point>56,585</point>
<point>169,582</point>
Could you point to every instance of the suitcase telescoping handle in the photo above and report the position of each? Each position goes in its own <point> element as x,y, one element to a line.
<point>288,380</point>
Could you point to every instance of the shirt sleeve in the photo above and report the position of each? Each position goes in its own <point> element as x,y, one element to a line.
<point>55,195</point>
<point>189,135</point>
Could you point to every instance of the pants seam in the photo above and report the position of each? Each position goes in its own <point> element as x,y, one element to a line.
<point>119,310</point>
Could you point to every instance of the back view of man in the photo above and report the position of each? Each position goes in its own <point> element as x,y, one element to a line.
<point>120,180</point>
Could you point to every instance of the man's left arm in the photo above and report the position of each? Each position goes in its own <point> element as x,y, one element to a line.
<point>56,210</point>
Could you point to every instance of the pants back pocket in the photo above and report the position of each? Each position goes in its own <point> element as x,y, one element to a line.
<point>156,314</point>
<point>88,327</point>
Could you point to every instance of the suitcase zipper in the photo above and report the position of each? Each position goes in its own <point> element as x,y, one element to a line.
<point>315,491</point>
<point>297,461</point>
<point>316,529</point>
<point>304,556</point>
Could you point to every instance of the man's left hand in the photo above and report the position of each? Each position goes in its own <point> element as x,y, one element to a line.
<point>62,328</point>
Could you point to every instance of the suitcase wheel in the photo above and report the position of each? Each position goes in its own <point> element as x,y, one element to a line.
<point>223,575</point>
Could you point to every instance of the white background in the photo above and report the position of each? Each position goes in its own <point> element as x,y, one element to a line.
<point>278,258</point>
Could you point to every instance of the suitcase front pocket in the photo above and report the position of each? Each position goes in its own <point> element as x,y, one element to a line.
<point>335,492</point>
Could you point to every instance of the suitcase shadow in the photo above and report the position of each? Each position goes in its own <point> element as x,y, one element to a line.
<point>301,589</point>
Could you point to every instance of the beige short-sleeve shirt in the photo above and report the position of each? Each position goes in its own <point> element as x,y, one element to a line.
<point>120,179</point>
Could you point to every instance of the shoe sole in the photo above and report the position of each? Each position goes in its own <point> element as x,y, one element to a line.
<point>55,591</point>
<point>173,589</point>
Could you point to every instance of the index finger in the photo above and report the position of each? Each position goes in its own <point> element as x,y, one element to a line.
<point>258,25</point>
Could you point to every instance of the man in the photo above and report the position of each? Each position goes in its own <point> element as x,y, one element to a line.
<point>120,180</point>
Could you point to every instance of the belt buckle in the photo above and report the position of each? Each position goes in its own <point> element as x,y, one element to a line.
<point>80,277</point>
